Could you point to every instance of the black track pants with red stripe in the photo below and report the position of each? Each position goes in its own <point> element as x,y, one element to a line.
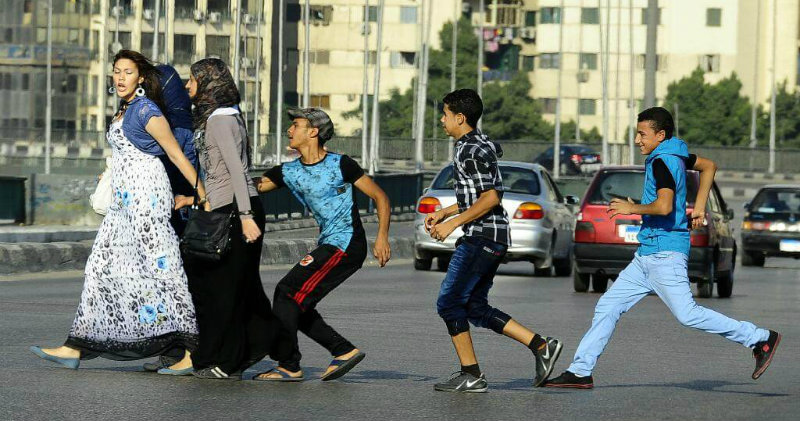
<point>298,293</point>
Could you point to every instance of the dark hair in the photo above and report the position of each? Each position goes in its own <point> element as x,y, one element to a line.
<point>660,119</point>
<point>467,102</point>
<point>148,71</point>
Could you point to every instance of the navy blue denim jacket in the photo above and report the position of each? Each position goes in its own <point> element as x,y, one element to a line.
<point>139,112</point>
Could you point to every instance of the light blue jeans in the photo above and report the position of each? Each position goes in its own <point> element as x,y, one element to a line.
<point>664,273</point>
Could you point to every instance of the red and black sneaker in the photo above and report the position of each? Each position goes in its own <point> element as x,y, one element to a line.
<point>764,351</point>
<point>569,380</point>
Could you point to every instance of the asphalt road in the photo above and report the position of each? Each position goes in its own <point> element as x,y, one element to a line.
<point>653,368</point>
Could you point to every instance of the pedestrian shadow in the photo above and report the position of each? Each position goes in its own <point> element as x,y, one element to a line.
<point>702,386</point>
<point>355,376</point>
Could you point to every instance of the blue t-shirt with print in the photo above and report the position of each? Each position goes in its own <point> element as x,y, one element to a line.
<point>326,189</point>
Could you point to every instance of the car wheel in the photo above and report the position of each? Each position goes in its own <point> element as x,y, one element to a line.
<point>725,285</point>
<point>543,272</point>
<point>753,258</point>
<point>705,288</point>
<point>564,266</point>
<point>442,263</point>
<point>422,264</point>
<point>599,283</point>
<point>580,281</point>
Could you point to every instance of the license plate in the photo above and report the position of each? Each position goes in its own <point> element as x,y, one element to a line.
<point>628,233</point>
<point>790,245</point>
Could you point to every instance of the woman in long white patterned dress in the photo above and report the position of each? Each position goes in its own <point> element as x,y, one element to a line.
<point>135,301</point>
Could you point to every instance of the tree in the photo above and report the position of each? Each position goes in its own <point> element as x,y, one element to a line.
<point>787,118</point>
<point>712,114</point>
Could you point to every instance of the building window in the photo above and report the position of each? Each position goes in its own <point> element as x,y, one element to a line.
<point>587,106</point>
<point>319,57</point>
<point>147,41</point>
<point>321,101</point>
<point>321,15</point>
<point>527,63</point>
<point>507,14</point>
<point>372,59</point>
<point>548,105</point>
<point>403,59</point>
<point>661,62</point>
<point>709,63</point>
<point>530,18</point>
<point>183,52</point>
<point>124,41</point>
<point>124,9</point>
<point>408,14</point>
<point>218,46</point>
<point>590,15</point>
<point>644,16</point>
<point>714,17</point>
<point>548,61</point>
<point>184,9</point>
<point>372,13</point>
<point>550,15</point>
<point>588,61</point>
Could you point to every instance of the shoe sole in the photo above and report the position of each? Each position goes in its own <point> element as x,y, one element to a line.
<point>571,386</point>
<point>556,354</point>
<point>482,390</point>
<point>70,363</point>
<point>344,368</point>
<point>764,368</point>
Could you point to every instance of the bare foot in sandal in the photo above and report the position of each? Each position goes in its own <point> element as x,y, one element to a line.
<point>343,357</point>
<point>274,375</point>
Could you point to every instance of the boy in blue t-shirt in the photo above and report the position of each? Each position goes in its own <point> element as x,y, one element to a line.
<point>660,263</point>
<point>322,181</point>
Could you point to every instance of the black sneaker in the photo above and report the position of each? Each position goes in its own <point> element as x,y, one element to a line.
<point>763,353</point>
<point>214,373</point>
<point>546,360</point>
<point>569,380</point>
<point>463,382</point>
<point>163,361</point>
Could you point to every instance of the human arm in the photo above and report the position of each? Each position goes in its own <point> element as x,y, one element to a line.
<point>665,196</point>
<point>486,201</point>
<point>381,250</point>
<point>272,179</point>
<point>707,169</point>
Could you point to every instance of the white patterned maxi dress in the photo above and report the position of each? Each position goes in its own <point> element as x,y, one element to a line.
<point>135,301</point>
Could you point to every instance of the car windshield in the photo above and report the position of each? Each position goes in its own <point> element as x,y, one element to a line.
<point>515,180</point>
<point>776,201</point>
<point>625,184</point>
<point>582,150</point>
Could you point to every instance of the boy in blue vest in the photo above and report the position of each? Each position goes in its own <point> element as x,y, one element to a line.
<point>660,263</point>
<point>322,181</point>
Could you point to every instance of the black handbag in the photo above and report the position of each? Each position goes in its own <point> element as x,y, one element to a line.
<point>207,235</point>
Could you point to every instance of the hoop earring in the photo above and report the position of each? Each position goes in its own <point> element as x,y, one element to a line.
<point>112,90</point>
<point>140,91</point>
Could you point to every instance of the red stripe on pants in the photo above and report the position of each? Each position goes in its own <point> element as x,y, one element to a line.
<point>315,279</point>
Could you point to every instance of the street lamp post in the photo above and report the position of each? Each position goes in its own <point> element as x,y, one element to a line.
<point>49,108</point>
<point>375,134</point>
<point>365,91</point>
<point>279,87</point>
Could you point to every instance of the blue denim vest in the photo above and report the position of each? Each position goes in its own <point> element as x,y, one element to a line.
<point>139,112</point>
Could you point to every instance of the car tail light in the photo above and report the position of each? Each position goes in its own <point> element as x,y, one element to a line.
<point>757,226</point>
<point>699,237</point>
<point>429,205</point>
<point>529,210</point>
<point>598,159</point>
<point>576,158</point>
<point>584,232</point>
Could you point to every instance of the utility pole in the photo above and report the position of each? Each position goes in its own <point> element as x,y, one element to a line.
<point>365,91</point>
<point>257,93</point>
<point>373,155</point>
<point>616,81</point>
<point>604,74</point>
<point>306,61</point>
<point>166,31</point>
<point>756,64</point>
<point>48,119</point>
<point>774,88</point>
<point>154,55</point>
<point>650,63</point>
<point>237,60</point>
<point>423,93</point>
<point>482,20</point>
<point>279,87</point>
<point>631,103</point>
<point>453,64</point>
<point>557,135</point>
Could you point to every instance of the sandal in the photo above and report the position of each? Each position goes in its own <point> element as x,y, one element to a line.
<point>343,366</point>
<point>284,377</point>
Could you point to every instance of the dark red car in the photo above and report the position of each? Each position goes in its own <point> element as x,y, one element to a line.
<point>603,246</point>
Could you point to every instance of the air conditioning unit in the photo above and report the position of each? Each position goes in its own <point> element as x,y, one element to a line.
<point>116,11</point>
<point>527,33</point>
<point>214,17</point>
<point>248,19</point>
<point>246,106</point>
<point>197,15</point>
<point>247,62</point>
<point>148,14</point>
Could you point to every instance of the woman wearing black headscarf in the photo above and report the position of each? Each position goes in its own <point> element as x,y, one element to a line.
<point>234,316</point>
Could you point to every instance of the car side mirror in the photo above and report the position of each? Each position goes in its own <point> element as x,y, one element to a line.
<point>729,213</point>
<point>746,205</point>
<point>425,190</point>
<point>571,200</point>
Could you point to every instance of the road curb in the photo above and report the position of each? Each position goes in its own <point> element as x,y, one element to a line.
<point>51,257</point>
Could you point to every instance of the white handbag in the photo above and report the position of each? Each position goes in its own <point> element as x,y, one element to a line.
<point>101,198</point>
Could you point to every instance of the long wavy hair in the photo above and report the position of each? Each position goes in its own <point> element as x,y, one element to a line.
<point>215,89</point>
<point>148,71</point>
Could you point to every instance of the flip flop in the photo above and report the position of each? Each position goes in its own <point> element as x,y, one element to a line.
<point>71,363</point>
<point>284,377</point>
<point>343,366</point>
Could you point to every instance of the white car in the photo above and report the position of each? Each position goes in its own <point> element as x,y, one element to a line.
<point>542,223</point>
